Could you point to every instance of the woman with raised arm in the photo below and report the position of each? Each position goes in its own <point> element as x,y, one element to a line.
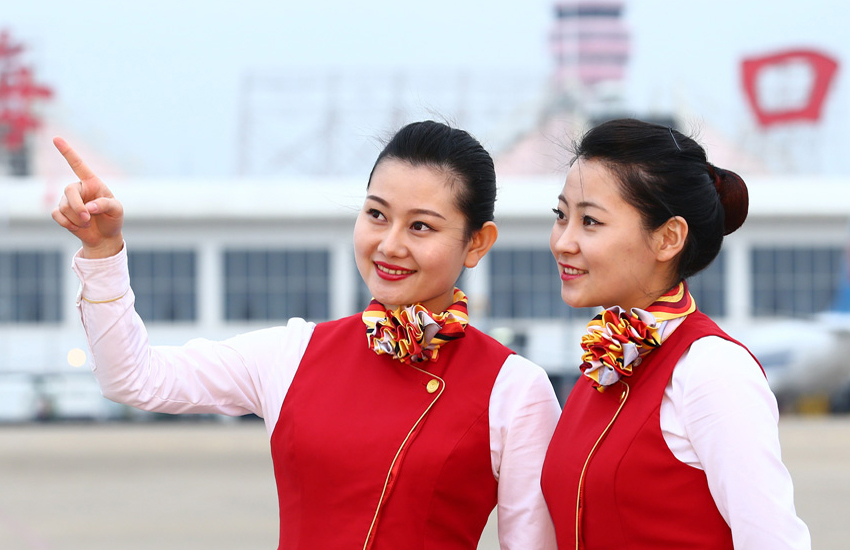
<point>401,427</point>
<point>669,438</point>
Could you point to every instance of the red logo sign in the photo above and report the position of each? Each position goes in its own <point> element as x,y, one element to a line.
<point>822,69</point>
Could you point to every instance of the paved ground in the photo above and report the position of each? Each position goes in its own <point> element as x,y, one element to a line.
<point>210,485</point>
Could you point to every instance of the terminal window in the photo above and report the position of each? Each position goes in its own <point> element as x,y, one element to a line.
<point>164,283</point>
<point>30,287</point>
<point>364,296</point>
<point>709,289</point>
<point>277,284</point>
<point>795,281</point>
<point>524,284</point>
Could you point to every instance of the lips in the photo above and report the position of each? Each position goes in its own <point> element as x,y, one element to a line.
<point>569,272</point>
<point>392,272</point>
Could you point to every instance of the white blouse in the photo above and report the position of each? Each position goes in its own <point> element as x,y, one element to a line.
<point>719,415</point>
<point>252,372</point>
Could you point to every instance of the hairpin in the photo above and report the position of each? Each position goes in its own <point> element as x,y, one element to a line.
<point>674,138</point>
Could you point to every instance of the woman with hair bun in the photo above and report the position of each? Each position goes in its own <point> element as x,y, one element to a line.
<point>669,438</point>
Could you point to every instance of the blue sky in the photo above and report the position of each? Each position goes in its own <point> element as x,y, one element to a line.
<point>155,85</point>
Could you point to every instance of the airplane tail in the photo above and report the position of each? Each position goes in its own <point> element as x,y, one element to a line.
<point>841,301</point>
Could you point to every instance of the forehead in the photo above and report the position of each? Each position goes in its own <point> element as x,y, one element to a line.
<point>591,181</point>
<point>404,182</point>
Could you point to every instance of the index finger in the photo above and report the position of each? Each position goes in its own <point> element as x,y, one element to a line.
<point>76,163</point>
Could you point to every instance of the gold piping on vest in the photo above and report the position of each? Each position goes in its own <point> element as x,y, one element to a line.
<point>368,543</point>
<point>623,397</point>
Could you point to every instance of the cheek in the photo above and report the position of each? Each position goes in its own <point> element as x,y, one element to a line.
<point>636,259</point>
<point>361,238</point>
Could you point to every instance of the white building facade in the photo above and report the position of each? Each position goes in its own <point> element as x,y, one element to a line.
<point>217,258</point>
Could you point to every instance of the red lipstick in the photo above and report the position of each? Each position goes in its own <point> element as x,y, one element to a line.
<point>391,272</point>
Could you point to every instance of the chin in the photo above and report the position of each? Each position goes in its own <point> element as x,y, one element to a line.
<point>570,301</point>
<point>576,303</point>
<point>389,299</point>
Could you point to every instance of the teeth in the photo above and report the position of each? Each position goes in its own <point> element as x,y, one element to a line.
<point>572,271</point>
<point>394,271</point>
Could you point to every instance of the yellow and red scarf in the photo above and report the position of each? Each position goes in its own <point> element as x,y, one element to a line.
<point>617,340</point>
<point>412,333</point>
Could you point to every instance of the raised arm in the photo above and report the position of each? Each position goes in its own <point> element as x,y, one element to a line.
<point>249,373</point>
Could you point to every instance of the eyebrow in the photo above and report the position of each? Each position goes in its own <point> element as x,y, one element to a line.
<point>583,204</point>
<point>421,211</point>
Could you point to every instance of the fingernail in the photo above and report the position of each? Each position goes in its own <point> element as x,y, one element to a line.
<point>92,207</point>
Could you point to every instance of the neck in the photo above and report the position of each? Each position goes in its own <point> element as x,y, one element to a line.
<point>434,305</point>
<point>646,300</point>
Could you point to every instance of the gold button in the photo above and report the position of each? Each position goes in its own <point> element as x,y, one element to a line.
<point>433,385</point>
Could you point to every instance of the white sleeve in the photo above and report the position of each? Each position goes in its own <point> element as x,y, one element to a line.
<point>249,373</point>
<point>523,413</point>
<point>718,414</point>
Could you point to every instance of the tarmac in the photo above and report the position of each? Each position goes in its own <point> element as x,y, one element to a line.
<point>209,484</point>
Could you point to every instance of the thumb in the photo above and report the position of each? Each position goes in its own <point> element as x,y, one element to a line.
<point>93,188</point>
<point>105,205</point>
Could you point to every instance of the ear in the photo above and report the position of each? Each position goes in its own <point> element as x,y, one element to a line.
<point>670,238</point>
<point>482,241</point>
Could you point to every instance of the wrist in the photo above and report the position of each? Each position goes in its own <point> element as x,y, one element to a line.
<point>107,248</point>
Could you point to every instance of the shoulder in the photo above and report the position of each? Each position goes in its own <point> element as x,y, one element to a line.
<point>523,371</point>
<point>719,373</point>
<point>337,332</point>
<point>342,324</point>
<point>293,337</point>
<point>520,382</point>
<point>481,338</point>
<point>716,356</point>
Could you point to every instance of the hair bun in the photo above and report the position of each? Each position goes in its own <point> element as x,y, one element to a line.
<point>733,196</point>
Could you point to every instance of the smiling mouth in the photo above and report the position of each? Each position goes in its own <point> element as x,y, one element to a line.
<point>389,271</point>
<point>572,271</point>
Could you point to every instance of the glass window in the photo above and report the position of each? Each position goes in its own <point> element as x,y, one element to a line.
<point>709,289</point>
<point>363,294</point>
<point>795,281</point>
<point>524,284</point>
<point>30,287</point>
<point>276,284</point>
<point>164,283</point>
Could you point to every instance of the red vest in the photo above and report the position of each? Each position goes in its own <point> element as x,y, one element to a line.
<point>368,447</point>
<point>635,494</point>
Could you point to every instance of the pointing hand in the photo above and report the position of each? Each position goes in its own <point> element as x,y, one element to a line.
<point>88,209</point>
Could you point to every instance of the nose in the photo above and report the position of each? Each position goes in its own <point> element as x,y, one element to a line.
<point>563,240</point>
<point>393,243</point>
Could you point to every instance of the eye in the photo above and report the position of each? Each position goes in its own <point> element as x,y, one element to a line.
<point>588,221</point>
<point>420,226</point>
<point>561,215</point>
<point>376,214</point>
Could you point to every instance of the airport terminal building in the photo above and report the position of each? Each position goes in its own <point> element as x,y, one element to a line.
<point>216,258</point>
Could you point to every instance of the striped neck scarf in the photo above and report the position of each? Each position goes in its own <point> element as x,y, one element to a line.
<point>616,341</point>
<point>413,334</point>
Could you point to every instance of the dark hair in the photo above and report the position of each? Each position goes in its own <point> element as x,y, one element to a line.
<point>469,166</point>
<point>664,173</point>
